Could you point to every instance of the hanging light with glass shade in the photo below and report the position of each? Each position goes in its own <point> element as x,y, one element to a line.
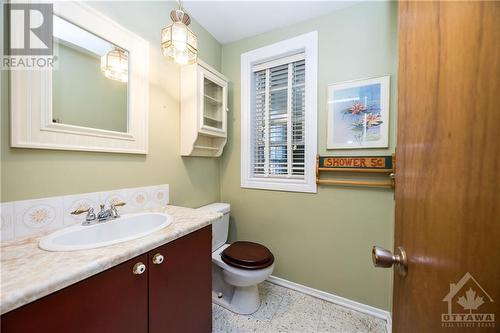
<point>177,40</point>
<point>114,65</point>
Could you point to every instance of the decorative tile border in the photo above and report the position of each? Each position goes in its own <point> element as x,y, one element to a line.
<point>7,220</point>
<point>24,218</point>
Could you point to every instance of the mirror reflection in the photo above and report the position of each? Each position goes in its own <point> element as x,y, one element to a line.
<point>90,80</point>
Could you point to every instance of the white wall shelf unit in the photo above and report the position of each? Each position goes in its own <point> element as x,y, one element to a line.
<point>203,111</point>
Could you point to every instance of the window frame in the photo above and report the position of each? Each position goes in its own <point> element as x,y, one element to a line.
<point>307,44</point>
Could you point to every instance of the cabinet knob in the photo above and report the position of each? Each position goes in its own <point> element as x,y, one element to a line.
<point>139,268</point>
<point>158,259</point>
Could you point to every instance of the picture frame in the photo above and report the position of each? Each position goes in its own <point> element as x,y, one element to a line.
<point>358,114</point>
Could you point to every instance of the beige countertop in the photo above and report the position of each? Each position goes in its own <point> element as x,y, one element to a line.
<point>29,273</point>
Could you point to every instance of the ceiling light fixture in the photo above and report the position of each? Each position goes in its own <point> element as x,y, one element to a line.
<point>114,65</point>
<point>177,40</point>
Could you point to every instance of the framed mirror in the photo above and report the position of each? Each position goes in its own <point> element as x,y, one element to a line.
<point>90,80</point>
<point>94,98</point>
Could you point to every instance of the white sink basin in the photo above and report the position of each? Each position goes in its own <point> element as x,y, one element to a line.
<point>124,228</point>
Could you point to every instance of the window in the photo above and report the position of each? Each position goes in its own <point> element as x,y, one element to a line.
<point>279,96</point>
<point>278,120</point>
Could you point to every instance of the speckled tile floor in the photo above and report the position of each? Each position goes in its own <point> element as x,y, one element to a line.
<point>286,310</point>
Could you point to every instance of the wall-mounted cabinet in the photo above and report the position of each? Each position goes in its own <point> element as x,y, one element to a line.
<point>203,111</point>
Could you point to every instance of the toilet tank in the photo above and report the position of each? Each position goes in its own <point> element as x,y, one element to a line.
<point>220,227</point>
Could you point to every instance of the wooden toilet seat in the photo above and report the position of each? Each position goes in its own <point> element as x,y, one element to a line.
<point>247,255</point>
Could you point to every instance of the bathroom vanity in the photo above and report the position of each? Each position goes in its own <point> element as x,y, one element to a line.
<point>165,289</point>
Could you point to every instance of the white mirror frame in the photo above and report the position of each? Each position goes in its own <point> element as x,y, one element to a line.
<point>31,95</point>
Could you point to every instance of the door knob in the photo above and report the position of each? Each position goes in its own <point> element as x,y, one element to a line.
<point>139,268</point>
<point>384,258</point>
<point>158,259</point>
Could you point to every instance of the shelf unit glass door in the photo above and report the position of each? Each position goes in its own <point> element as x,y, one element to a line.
<point>213,105</point>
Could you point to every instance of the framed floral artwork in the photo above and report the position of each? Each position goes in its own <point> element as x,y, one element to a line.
<point>358,114</point>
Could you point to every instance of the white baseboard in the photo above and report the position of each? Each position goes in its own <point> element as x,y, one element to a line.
<point>388,323</point>
<point>345,302</point>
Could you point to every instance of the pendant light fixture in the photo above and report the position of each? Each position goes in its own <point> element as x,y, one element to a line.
<point>114,65</point>
<point>177,40</point>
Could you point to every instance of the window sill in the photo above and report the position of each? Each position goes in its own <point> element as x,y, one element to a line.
<point>286,185</point>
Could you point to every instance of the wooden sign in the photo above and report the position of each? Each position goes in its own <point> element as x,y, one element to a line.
<point>356,163</point>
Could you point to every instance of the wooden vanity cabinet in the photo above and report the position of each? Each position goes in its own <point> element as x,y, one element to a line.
<point>180,288</point>
<point>168,297</point>
<point>115,300</point>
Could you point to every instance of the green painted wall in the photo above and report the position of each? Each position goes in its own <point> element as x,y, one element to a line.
<point>322,240</point>
<point>34,173</point>
<point>83,96</point>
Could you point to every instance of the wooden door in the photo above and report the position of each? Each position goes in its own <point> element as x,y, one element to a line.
<point>180,287</point>
<point>114,301</point>
<point>448,178</point>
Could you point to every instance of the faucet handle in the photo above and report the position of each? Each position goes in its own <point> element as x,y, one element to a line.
<point>90,215</point>
<point>80,211</point>
<point>114,211</point>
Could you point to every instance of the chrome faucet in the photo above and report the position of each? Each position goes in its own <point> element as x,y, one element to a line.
<point>108,214</point>
<point>102,216</point>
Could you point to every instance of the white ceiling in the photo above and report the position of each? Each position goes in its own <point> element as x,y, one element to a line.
<point>229,21</point>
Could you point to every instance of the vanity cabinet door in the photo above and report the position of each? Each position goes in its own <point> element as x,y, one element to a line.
<point>180,286</point>
<point>115,300</point>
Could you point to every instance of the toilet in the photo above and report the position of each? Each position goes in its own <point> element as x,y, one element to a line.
<point>237,268</point>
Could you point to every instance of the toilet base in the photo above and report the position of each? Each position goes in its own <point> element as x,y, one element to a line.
<point>240,300</point>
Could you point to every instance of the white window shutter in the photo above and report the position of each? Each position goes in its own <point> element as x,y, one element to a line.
<point>278,119</point>
<point>298,118</point>
<point>259,124</point>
